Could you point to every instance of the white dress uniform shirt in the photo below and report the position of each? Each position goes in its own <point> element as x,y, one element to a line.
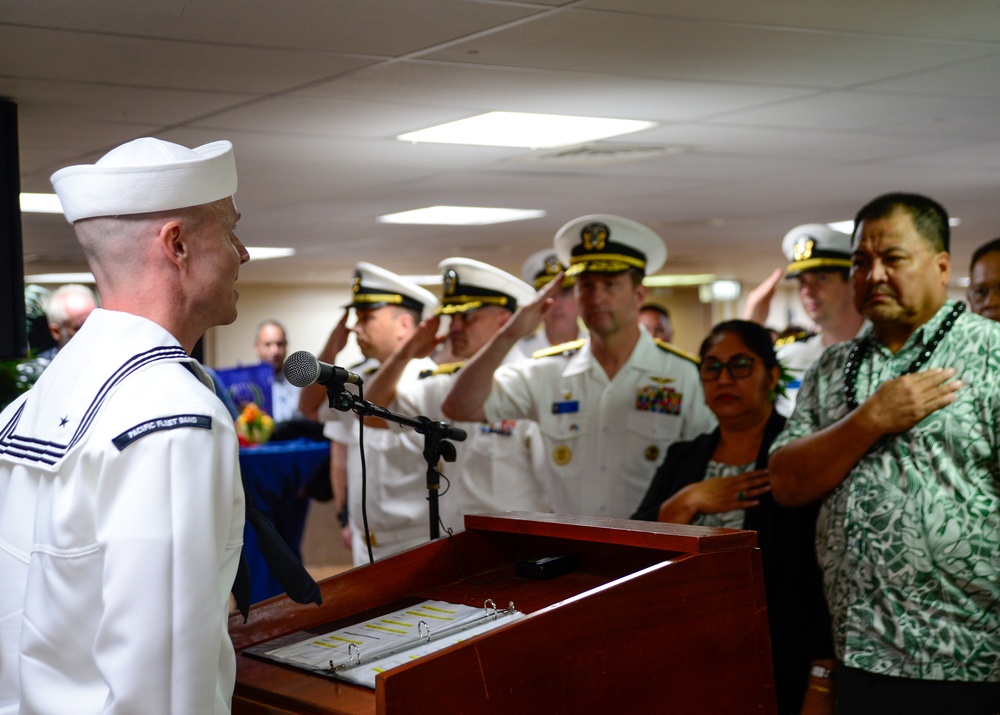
<point>121,524</point>
<point>397,482</point>
<point>796,356</point>
<point>495,466</point>
<point>603,438</point>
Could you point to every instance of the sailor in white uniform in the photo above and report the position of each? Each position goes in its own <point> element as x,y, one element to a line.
<point>494,467</point>
<point>819,261</point>
<point>121,506</point>
<point>608,405</point>
<point>562,320</point>
<point>388,309</point>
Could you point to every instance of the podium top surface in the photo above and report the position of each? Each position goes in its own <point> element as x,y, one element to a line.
<point>626,532</point>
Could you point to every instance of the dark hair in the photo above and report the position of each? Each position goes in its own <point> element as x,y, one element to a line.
<point>988,247</point>
<point>656,308</point>
<point>928,216</point>
<point>754,336</point>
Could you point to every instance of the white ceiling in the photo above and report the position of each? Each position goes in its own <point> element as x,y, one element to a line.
<point>771,114</point>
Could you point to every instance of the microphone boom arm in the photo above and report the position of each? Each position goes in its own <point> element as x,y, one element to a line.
<point>437,439</point>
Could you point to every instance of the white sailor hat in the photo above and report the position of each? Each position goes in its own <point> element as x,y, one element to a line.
<point>815,247</point>
<point>603,243</point>
<point>470,285</point>
<point>541,267</point>
<point>147,175</point>
<point>375,287</point>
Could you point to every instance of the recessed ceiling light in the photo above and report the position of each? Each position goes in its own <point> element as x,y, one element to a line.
<point>262,253</point>
<point>521,129</point>
<point>460,215</point>
<point>41,204</point>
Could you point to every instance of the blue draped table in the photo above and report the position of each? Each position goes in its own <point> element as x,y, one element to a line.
<point>275,475</point>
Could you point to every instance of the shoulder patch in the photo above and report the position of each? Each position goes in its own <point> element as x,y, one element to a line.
<point>562,349</point>
<point>445,368</point>
<point>669,348</point>
<point>794,338</point>
<point>158,425</point>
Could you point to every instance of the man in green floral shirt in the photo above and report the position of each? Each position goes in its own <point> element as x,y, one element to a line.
<point>898,431</point>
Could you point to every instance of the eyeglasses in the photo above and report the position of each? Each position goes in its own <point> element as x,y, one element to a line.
<point>739,366</point>
<point>981,291</point>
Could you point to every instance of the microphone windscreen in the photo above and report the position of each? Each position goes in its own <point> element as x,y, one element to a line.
<point>301,369</point>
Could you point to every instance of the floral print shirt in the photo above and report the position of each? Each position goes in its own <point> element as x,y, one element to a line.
<point>909,542</point>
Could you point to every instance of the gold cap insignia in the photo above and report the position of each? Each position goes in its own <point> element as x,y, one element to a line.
<point>803,248</point>
<point>450,282</point>
<point>594,236</point>
<point>356,285</point>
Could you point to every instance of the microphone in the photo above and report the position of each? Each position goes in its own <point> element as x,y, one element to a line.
<point>303,369</point>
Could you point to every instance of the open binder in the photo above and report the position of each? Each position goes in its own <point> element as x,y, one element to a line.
<point>359,652</point>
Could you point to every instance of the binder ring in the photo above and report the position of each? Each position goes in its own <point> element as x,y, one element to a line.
<point>423,631</point>
<point>354,653</point>
<point>490,608</point>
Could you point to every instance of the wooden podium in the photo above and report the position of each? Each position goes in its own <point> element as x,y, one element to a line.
<point>656,618</point>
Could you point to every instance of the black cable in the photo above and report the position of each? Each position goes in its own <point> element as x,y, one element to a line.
<point>364,479</point>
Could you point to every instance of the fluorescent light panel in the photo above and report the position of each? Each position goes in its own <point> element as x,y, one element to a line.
<point>848,226</point>
<point>666,281</point>
<point>521,129</point>
<point>459,216</point>
<point>53,278</point>
<point>425,280</point>
<point>262,253</point>
<point>41,204</point>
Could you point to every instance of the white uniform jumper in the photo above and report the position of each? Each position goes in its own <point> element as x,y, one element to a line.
<point>121,524</point>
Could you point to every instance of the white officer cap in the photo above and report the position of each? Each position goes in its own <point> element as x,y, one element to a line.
<point>147,175</point>
<point>541,267</point>
<point>470,285</point>
<point>603,243</point>
<point>815,247</point>
<point>374,287</point>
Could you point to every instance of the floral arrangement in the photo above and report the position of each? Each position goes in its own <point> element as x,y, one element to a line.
<point>253,426</point>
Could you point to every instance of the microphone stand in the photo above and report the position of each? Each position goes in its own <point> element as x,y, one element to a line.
<point>436,439</point>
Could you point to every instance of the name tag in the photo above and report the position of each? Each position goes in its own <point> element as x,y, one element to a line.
<point>565,407</point>
<point>158,425</point>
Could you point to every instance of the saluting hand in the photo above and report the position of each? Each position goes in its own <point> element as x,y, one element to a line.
<point>425,340</point>
<point>338,338</point>
<point>528,316</point>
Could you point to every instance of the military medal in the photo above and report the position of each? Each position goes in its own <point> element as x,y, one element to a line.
<point>562,455</point>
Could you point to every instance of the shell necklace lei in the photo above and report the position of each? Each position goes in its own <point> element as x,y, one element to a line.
<point>860,348</point>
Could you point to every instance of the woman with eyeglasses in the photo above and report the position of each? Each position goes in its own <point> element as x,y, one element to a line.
<point>721,479</point>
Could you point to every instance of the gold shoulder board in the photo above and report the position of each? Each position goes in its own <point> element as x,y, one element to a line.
<point>447,368</point>
<point>562,349</point>
<point>668,347</point>
<point>789,339</point>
